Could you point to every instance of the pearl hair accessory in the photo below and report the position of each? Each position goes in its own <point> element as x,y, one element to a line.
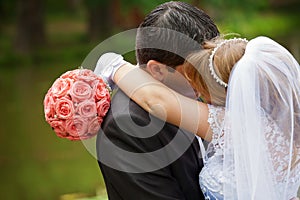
<point>211,66</point>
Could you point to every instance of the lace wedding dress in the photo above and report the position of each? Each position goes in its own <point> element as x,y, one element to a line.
<point>212,177</point>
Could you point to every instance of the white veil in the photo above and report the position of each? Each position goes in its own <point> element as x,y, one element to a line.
<point>262,134</point>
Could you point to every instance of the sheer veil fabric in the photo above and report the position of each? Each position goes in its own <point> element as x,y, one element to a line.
<point>262,134</point>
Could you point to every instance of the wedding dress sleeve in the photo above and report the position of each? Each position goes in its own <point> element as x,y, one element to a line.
<point>211,178</point>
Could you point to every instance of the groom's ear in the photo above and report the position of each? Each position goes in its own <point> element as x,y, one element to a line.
<point>157,69</point>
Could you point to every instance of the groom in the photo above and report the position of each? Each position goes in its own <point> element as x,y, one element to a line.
<point>140,156</point>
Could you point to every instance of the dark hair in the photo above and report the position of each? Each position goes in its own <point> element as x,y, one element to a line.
<point>171,32</point>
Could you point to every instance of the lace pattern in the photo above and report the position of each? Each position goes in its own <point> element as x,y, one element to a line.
<point>212,177</point>
<point>278,144</point>
<point>216,120</point>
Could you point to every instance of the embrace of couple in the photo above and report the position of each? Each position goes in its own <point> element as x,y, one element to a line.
<point>200,117</point>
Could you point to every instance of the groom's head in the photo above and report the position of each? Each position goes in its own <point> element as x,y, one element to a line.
<point>169,33</point>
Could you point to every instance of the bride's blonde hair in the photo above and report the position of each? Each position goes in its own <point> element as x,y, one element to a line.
<point>197,71</point>
<point>196,67</point>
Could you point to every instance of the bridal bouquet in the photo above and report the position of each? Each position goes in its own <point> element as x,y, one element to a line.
<point>76,103</point>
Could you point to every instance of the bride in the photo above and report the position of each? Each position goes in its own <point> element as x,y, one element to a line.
<point>250,114</point>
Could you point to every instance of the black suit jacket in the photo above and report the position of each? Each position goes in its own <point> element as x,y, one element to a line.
<point>144,158</point>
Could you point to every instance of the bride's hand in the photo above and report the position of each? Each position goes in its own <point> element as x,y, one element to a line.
<point>107,65</point>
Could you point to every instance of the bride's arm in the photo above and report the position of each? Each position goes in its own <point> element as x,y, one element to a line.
<point>163,102</point>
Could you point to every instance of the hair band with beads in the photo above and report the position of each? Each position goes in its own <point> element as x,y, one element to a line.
<point>211,66</point>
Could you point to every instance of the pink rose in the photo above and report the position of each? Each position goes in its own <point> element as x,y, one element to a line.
<point>69,74</point>
<point>102,107</point>
<point>100,80</point>
<point>77,126</point>
<point>101,91</point>
<point>87,76</point>
<point>87,109</point>
<point>49,106</point>
<point>64,108</point>
<point>76,103</point>
<point>59,127</point>
<point>81,91</point>
<point>94,126</point>
<point>100,120</point>
<point>61,87</point>
<point>90,73</point>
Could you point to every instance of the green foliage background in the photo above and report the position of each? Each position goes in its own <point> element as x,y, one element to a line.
<point>34,163</point>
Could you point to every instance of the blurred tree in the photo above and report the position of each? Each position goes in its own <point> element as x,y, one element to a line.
<point>30,25</point>
<point>244,5</point>
<point>279,3</point>
<point>135,10</point>
<point>7,11</point>
<point>100,20</point>
<point>196,2</point>
<point>116,13</point>
<point>2,15</point>
<point>72,5</point>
